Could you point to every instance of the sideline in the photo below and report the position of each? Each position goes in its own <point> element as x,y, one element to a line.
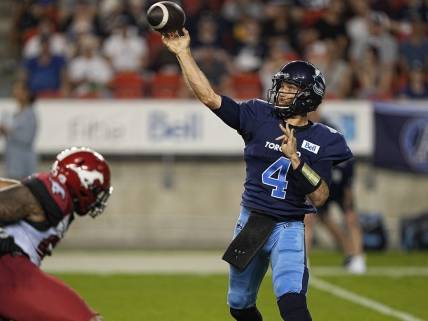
<point>136,263</point>
<point>184,262</point>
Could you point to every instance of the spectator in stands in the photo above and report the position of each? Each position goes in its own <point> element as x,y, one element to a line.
<point>245,30</point>
<point>331,26</point>
<point>207,33</point>
<point>380,38</point>
<point>45,73</point>
<point>216,66</point>
<point>396,10</point>
<point>251,48</point>
<point>198,11</point>
<point>20,132</point>
<point>26,20</point>
<point>89,72</point>
<point>279,53</point>
<point>46,29</point>
<point>209,53</point>
<point>357,27</point>
<point>313,5</point>
<point>368,73</point>
<point>280,23</point>
<point>83,19</point>
<point>164,61</point>
<point>417,87</point>
<point>126,50</point>
<point>414,50</point>
<point>326,56</point>
<point>113,11</point>
<point>236,10</point>
<point>417,9</point>
<point>380,44</point>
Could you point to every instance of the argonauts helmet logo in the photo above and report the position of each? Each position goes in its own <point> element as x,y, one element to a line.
<point>318,87</point>
<point>414,143</point>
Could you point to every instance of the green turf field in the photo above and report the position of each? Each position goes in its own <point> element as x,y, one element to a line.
<point>397,281</point>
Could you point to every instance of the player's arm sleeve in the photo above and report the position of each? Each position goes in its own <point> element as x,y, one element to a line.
<point>323,169</point>
<point>315,178</point>
<point>239,116</point>
<point>337,150</point>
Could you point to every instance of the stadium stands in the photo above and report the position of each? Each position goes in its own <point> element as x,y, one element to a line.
<point>390,36</point>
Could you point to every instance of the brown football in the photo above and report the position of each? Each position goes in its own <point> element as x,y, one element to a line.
<point>166,16</point>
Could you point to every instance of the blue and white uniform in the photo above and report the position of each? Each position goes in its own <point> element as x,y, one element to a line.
<point>271,189</point>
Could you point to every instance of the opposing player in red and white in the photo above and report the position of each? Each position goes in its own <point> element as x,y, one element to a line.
<point>34,216</point>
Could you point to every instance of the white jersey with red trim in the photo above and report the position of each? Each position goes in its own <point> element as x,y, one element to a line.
<point>38,240</point>
<point>35,243</point>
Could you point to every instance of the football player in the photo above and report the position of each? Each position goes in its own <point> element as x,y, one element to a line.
<point>34,216</point>
<point>351,242</point>
<point>341,193</point>
<point>288,160</point>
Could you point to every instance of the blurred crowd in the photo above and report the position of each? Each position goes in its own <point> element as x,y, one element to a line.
<point>367,49</point>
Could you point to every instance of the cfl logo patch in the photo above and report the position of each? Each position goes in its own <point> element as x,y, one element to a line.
<point>313,148</point>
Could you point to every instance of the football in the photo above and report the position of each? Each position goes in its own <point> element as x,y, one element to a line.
<point>166,16</point>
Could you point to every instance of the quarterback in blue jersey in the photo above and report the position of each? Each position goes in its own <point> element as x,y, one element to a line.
<point>288,166</point>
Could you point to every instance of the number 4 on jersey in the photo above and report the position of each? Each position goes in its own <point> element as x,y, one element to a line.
<point>275,176</point>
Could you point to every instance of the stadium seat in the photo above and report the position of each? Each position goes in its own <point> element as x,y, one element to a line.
<point>128,85</point>
<point>49,94</point>
<point>166,85</point>
<point>154,42</point>
<point>311,17</point>
<point>246,85</point>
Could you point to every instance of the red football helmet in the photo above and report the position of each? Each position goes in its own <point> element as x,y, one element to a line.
<point>87,176</point>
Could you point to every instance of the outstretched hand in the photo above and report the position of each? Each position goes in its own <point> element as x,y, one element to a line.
<point>175,42</point>
<point>289,143</point>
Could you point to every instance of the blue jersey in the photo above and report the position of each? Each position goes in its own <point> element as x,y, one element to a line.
<point>270,184</point>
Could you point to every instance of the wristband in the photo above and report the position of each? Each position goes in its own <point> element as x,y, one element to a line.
<point>307,178</point>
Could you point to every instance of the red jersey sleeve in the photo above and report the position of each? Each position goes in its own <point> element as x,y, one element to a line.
<point>53,196</point>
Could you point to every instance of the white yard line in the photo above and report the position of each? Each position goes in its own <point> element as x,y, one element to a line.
<point>394,271</point>
<point>361,300</point>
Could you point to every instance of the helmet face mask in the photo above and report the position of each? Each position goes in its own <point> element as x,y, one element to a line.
<point>87,176</point>
<point>100,203</point>
<point>310,85</point>
<point>276,96</point>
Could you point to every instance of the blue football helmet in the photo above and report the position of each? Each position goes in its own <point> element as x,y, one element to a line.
<point>311,88</point>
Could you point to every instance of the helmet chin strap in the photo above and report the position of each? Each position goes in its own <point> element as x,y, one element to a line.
<point>284,112</point>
